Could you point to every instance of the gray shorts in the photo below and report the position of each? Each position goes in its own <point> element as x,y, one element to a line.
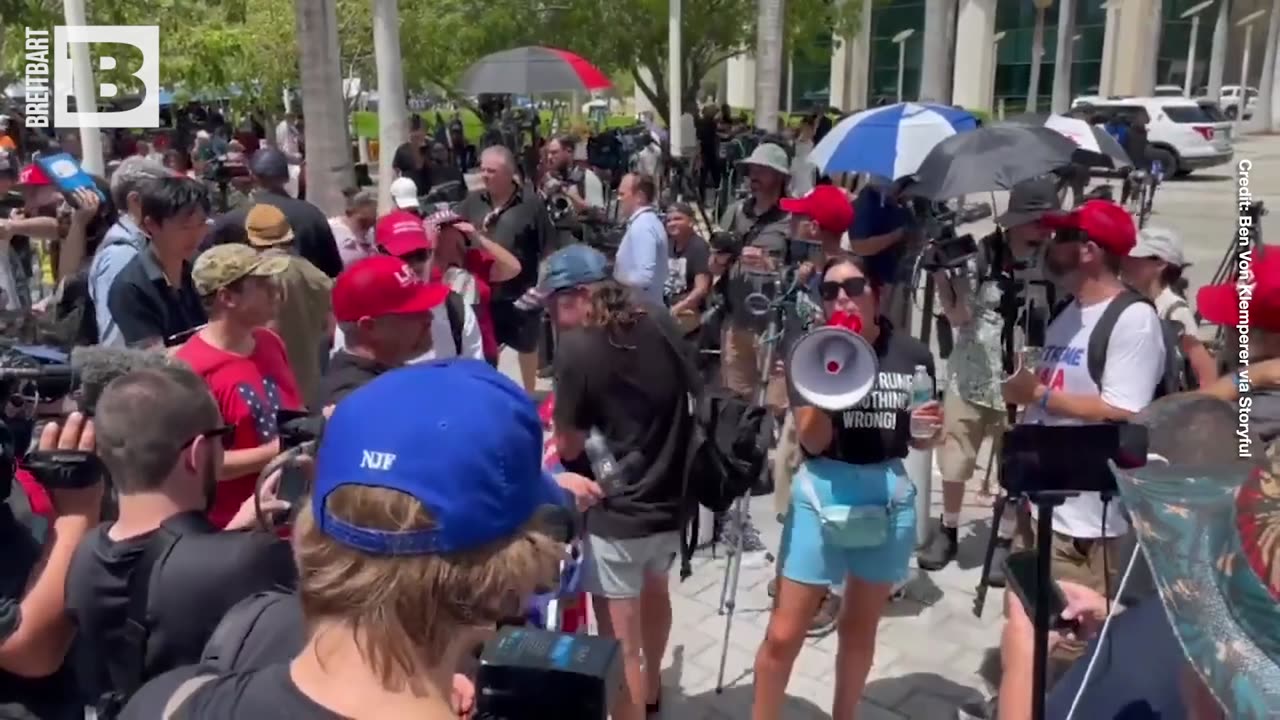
<point>616,568</point>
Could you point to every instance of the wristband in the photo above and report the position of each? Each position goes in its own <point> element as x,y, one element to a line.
<point>1044,400</point>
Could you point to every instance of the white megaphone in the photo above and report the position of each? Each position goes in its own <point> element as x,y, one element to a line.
<point>832,368</point>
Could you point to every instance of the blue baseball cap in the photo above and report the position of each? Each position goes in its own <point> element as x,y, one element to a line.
<point>458,436</point>
<point>574,266</point>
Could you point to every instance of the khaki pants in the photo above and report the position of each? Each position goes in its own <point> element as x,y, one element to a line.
<point>965,426</point>
<point>740,368</point>
<point>1092,562</point>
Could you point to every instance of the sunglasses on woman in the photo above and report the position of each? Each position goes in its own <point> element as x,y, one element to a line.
<point>854,287</point>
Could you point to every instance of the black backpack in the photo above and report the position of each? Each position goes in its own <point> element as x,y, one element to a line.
<point>128,670</point>
<point>1182,364</point>
<point>1175,378</point>
<point>727,451</point>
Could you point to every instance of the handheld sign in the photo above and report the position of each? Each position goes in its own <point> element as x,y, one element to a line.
<point>67,175</point>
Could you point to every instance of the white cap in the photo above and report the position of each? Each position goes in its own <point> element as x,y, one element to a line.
<point>1161,243</point>
<point>404,192</point>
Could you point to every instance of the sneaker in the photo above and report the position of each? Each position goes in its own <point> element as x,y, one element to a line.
<point>995,578</point>
<point>940,550</point>
<point>825,621</point>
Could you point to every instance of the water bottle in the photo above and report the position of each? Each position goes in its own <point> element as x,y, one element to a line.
<point>604,466</point>
<point>921,393</point>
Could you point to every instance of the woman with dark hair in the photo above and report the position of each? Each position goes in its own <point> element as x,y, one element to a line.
<point>1154,268</point>
<point>407,162</point>
<point>851,518</point>
<point>67,315</point>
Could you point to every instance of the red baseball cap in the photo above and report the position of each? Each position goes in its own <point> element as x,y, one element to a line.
<point>402,232</point>
<point>34,176</point>
<point>1221,304</point>
<point>383,285</point>
<point>826,205</point>
<point>1104,222</point>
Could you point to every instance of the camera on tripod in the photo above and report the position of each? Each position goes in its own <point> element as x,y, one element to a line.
<point>945,249</point>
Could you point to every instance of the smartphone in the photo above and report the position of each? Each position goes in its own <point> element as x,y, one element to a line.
<point>293,486</point>
<point>1021,573</point>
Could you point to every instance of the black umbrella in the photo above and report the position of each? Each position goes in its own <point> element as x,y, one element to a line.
<point>1097,147</point>
<point>990,158</point>
<point>531,71</point>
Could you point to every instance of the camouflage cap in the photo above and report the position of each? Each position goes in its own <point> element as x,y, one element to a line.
<point>221,265</point>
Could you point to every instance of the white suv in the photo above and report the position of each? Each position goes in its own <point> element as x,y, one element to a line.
<point>1181,134</point>
<point>1237,103</point>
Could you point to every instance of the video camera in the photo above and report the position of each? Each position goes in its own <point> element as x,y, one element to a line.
<point>944,248</point>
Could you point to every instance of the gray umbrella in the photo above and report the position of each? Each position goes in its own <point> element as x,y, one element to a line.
<point>1097,147</point>
<point>531,71</point>
<point>990,158</point>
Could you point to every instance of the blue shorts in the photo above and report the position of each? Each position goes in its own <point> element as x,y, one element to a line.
<point>807,558</point>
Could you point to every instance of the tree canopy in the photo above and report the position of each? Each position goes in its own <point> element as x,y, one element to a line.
<point>213,46</point>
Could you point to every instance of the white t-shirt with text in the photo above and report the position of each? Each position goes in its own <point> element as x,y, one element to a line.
<point>1134,366</point>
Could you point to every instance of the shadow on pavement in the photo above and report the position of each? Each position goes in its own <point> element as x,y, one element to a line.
<point>921,696</point>
<point>919,593</point>
<point>735,704</point>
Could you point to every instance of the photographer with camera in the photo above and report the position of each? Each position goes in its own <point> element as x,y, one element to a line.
<point>146,591</point>
<point>982,300</point>
<point>409,556</point>
<point>244,364</point>
<point>578,187</point>
<point>1079,379</point>
<point>35,633</point>
<point>763,228</point>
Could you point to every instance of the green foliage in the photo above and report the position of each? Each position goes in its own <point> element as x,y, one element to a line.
<point>213,45</point>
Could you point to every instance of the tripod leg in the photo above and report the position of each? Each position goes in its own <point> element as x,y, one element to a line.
<point>980,600</point>
<point>731,572</point>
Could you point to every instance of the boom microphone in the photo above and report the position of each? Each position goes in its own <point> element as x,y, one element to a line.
<point>95,366</point>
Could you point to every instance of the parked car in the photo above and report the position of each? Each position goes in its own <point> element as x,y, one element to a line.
<point>1184,135</point>
<point>1168,91</point>
<point>1237,103</point>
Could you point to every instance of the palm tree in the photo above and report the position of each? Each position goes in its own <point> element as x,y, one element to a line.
<point>329,168</point>
<point>393,115</point>
<point>770,16</point>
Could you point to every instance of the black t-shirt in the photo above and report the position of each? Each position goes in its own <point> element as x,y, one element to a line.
<point>346,373</point>
<point>146,306</point>
<point>266,694</point>
<point>49,698</point>
<point>523,227</point>
<point>207,572</point>
<point>312,236</point>
<point>631,387</point>
<point>879,428</point>
<point>684,265</point>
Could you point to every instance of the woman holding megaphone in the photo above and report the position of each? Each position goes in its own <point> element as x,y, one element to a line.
<point>851,519</point>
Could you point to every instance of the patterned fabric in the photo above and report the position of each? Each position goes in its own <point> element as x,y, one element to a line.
<point>1212,538</point>
<point>221,265</point>
<point>975,367</point>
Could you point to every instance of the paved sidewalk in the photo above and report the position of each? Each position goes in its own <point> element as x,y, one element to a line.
<point>929,650</point>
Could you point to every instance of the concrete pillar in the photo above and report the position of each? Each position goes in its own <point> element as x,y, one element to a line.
<point>975,64</point>
<point>1135,71</point>
<point>1064,57</point>
<point>939,38</point>
<point>1218,51</point>
<point>740,79</point>
<point>1111,32</point>
<point>850,68</point>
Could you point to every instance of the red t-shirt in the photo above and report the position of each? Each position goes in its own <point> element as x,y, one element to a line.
<point>479,264</point>
<point>249,390</point>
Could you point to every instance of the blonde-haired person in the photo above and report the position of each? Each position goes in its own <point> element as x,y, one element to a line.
<point>419,539</point>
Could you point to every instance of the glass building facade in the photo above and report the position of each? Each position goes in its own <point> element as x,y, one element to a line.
<point>887,20</point>
<point>1017,18</point>
<point>1175,37</point>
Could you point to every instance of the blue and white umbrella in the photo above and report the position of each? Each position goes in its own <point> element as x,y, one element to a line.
<point>888,141</point>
